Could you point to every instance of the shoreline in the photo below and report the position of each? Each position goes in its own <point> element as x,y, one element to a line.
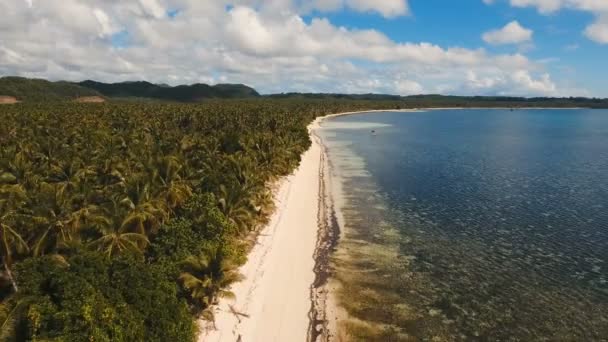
<point>273,302</point>
<point>324,311</point>
<point>287,292</point>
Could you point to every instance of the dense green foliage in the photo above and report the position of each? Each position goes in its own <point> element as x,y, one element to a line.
<point>182,93</point>
<point>118,222</point>
<point>35,90</point>
<point>91,297</point>
<point>440,101</point>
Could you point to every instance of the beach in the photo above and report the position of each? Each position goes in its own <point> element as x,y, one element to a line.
<point>285,293</point>
<point>273,301</point>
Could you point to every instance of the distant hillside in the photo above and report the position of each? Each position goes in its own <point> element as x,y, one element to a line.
<point>37,90</point>
<point>503,101</point>
<point>323,96</point>
<point>19,89</point>
<point>182,93</point>
<point>430,101</point>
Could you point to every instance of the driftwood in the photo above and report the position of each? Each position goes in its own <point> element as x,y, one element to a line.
<point>237,314</point>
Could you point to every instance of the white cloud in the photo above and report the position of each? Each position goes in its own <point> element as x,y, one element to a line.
<point>104,22</point>
<point>266,44</point>
<point>512,33</point>
<point>388,8</point>
<point>407,87</point>
<point>548,6</point>
<point>519,83</point>
<point>544,6</point>
<point>152,8</point>
<point>597,31</point>
<point>543,85</point>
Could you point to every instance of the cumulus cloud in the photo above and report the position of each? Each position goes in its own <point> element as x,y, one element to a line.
<point>597,31</point>
<point>388,8</point>
<point>512,33</point>
<point>548,6</point>
<point>544,6</point>
<point>518,83</point>
<point>152,8</point>
<point>266,44</point>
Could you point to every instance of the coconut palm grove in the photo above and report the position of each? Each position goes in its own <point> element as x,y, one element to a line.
<point>125,222</point>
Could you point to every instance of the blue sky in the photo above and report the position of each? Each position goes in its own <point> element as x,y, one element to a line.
<point>469,47</point>
<point>558,38</point>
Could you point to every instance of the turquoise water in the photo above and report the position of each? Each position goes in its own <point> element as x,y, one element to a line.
<point>473,224</point>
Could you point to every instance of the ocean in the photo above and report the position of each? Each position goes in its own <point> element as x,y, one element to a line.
<point>471,225</point>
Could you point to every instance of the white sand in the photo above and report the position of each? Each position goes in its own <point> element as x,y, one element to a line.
<point>275,294</point>
<point>274,300</point>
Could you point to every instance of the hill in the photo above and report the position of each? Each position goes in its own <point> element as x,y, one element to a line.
<point>181,93</point>
<point>19,89</point>
<point>38,90</point>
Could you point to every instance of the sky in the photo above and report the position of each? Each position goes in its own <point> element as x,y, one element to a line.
<point>403,47</point>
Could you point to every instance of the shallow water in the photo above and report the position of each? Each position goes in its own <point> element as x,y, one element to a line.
<point>473,224</point>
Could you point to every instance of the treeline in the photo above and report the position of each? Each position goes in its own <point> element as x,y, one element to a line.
<point>35,90</point>
<point>38,90</point>
<point>440,101</point>
<point>181,93</point>
<point>425,101</point>
<point>122,222</point>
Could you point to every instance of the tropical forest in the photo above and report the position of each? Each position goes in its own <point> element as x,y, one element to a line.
<point>127,221</point>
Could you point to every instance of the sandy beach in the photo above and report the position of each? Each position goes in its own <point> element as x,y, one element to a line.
<point>286,271</point>
<point>274,300</point>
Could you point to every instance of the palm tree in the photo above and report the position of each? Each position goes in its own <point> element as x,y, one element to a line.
<point>11,242</point>
<point>112,243</point>
<point>72,177</point>
<point>21,166</point>
<point>108,177</point>
<point>207,276</point>
<point>235,205</point>
<point>61,216</point>
<point>144,213</point>
<point>63,232</point>
<point>12,312</point>
<point>171,188</point>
